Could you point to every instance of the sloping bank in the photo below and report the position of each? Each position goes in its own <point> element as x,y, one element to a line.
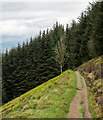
<point>50,100</point>
<point>93,72</point>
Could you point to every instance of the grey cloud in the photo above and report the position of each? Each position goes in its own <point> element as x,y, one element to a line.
<point>27,18</point>
<point>34,6</point>
<point>39,10</point>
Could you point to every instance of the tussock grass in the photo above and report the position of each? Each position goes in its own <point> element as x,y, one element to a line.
<point>50,100</point>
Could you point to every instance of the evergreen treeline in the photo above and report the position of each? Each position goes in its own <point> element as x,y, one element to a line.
<point>34,62</point>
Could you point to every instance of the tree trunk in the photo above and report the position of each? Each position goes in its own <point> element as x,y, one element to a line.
<point>61,69</point>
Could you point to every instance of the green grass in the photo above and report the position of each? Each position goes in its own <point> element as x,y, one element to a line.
<point>81,82</point>
<point>82,110</point>
<point>50,100</point>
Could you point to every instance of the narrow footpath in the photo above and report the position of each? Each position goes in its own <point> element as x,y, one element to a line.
<point>80,101</point>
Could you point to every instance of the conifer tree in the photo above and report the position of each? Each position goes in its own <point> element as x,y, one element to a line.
<point>96,16</point>
<point>83,37</point>
<point>32,63</point>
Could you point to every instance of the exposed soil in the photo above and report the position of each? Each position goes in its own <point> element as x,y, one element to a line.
<point>81,95</point>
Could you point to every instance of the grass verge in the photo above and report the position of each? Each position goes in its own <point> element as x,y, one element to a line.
<point>81,82</point>
<point>82,110</point>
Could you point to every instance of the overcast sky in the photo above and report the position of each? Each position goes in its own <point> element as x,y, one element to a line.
<point>25,18</point>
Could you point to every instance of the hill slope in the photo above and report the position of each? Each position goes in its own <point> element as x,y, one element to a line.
<point>93,72</point>
<point>56,97</point>
<point>50,100</point>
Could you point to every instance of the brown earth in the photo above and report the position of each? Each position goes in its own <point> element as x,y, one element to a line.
<point>93,73</point>
<point>81,95</point>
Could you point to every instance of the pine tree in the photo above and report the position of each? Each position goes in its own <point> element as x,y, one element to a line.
<point>83,36</point>
<point>32,63</point>
<point>67,43</point>
<point>97,29</point>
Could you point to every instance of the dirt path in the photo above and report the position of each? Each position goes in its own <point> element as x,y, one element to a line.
<point>80,96</point>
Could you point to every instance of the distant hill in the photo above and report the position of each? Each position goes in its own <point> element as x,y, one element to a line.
<point>93,72</point>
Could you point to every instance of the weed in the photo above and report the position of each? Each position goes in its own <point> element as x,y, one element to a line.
<point>81,101</point>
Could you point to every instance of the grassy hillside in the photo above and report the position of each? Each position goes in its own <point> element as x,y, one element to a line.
<point>93,72</point>
<point>50,100</point>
